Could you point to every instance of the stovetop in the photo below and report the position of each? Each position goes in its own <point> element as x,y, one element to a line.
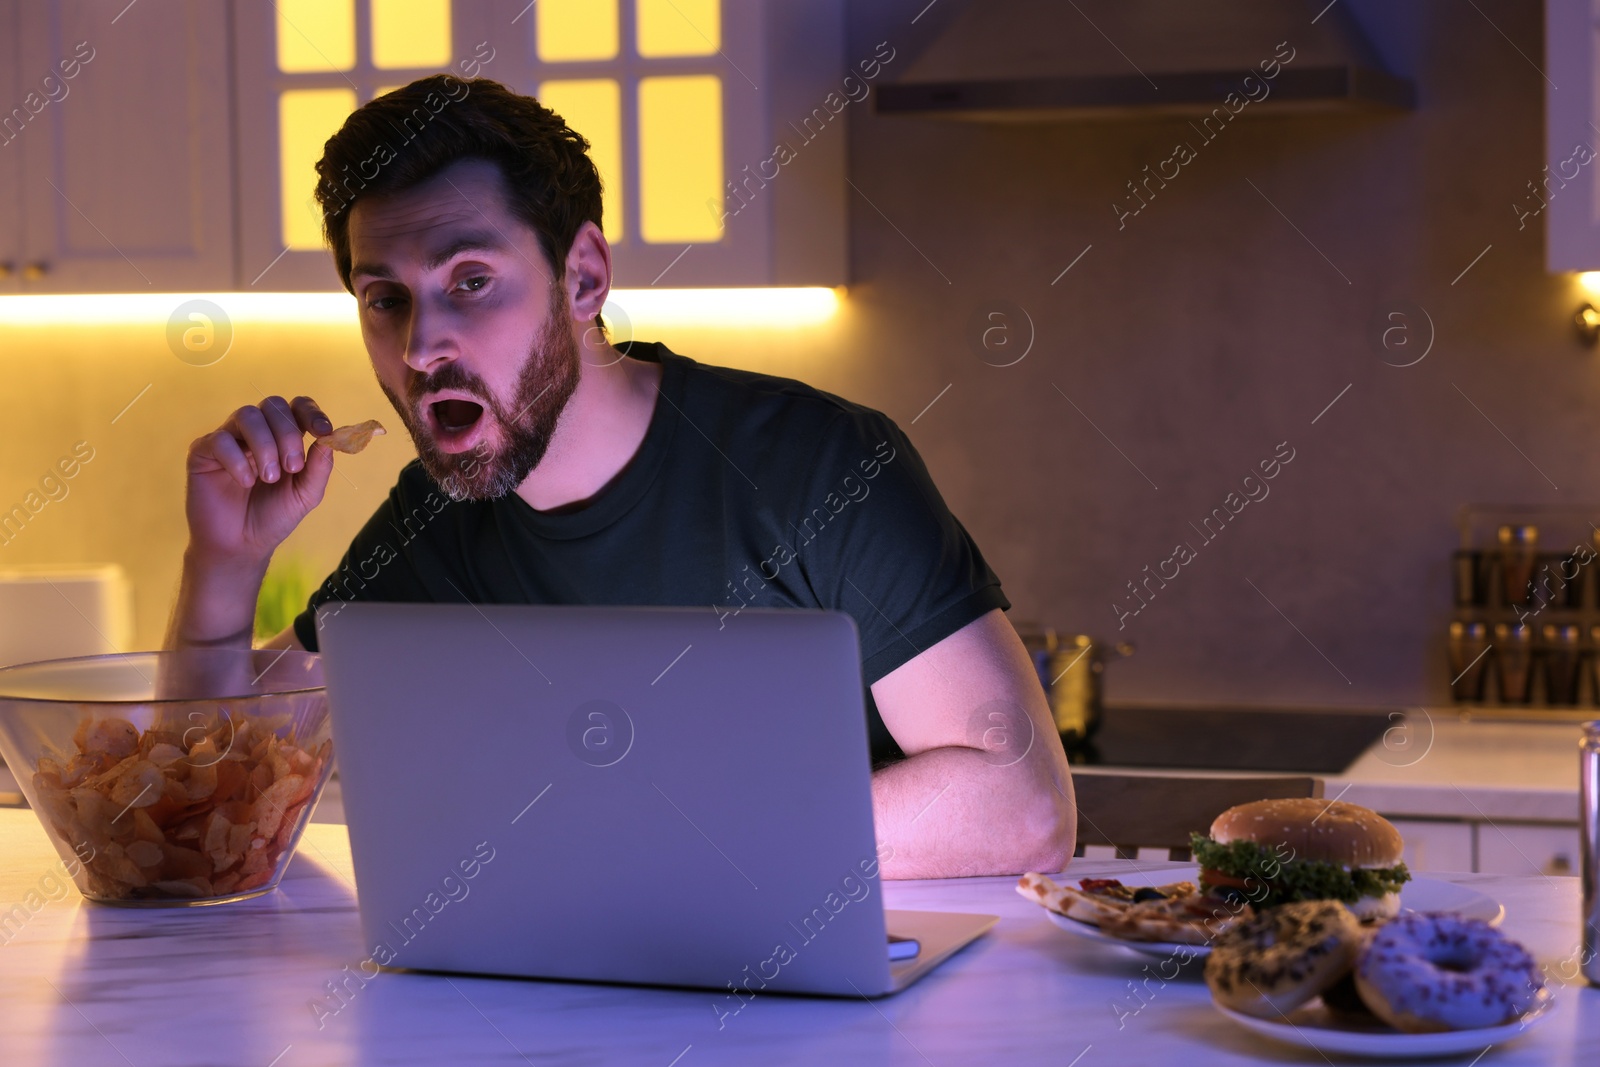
<point>1219,737</point>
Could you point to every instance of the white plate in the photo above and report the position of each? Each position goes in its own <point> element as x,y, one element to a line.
<point>1419,894</point>
<point>1314,1028</point>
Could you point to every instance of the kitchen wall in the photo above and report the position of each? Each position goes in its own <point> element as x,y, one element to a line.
<point>1177,354</point>
<point>67,384</point>
<point>1195,340</point>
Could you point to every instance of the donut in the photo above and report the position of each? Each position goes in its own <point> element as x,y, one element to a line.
<point>1269,965</point>
<point>1427,972</point>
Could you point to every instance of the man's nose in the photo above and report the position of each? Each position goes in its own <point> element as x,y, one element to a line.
<point>429,343</point>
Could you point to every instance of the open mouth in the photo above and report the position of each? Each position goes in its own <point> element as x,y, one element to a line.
<point>456,416</point>
<point>455,422</point>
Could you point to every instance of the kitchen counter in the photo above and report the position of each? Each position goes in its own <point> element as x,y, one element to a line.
<point>1436,765</point>
<point>252,984</point>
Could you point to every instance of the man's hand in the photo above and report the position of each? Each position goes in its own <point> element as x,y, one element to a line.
<point>250,482</point>
<point>985,788</point>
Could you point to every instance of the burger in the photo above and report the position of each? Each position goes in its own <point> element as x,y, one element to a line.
<point>1272,852</point>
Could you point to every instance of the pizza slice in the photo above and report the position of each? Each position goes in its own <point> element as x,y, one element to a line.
<point>1187,919</point>
<point>1096,901</point>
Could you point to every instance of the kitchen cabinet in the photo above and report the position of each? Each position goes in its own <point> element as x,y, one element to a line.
<point>10,155</point>
<point>177,153</point>
<point>116,139</point>
<point>1567,191</point>
<point>684,102</point>
<point>1513,848</point>
<point>1436,846</point>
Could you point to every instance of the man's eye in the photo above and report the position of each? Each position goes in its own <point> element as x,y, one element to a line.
<point>383,303</point>
<point>474,283</point>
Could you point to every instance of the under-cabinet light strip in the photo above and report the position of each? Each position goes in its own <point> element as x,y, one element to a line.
<point>651,308</point>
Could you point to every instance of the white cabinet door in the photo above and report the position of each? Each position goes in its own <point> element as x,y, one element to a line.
<point>128,169</point>
<point>1436,846</point>
<point>1513,848</point>
<point>14,121</point>
<point>1567,192</point>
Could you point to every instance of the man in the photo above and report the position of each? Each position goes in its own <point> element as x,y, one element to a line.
<point>554,468</point>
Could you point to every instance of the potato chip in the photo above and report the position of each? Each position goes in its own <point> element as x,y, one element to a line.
<point>353,439</point>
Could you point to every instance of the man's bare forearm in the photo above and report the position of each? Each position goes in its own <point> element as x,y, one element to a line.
<point>216,604</point>
<point>952,812</point>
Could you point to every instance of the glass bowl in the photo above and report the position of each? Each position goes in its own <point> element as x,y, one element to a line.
<point>170,778</point>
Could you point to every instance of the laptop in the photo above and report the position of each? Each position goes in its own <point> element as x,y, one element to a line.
<point>655,796</point>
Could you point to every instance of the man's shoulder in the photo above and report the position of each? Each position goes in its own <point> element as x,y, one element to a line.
<point>749,404</point>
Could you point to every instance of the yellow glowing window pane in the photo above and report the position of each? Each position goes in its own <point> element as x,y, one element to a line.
<point>680,159</point>
<point>316,34</point>
<point>576,29</point>
<point>410,33</point>
<point>593,107</point>
<point>679,27</point>
<point>306,119</point>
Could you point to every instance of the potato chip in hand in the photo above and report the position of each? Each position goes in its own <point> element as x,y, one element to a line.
<point>353,439</point>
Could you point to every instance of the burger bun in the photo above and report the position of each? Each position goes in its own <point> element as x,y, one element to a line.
<point>1320,831</point>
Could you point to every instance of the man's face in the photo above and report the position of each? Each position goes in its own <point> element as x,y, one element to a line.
<point>469,335</point>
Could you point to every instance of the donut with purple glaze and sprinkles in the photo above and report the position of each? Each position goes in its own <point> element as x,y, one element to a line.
<point>1429,972</point>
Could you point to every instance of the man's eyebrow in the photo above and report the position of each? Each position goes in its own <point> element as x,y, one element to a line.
<point>482,241</point>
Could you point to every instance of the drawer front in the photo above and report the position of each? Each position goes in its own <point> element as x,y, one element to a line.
<point>1436,846</point>
<point>1520,848</point>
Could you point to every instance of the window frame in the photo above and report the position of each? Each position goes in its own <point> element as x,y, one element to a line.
<point>790,232</point>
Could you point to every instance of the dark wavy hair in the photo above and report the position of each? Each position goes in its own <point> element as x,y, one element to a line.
<point>405,137</point>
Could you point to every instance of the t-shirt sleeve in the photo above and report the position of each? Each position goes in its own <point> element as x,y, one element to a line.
<point>380,563</point>
<point>876,540</point>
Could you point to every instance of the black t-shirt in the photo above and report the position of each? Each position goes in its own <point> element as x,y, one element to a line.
<point>748,490</point>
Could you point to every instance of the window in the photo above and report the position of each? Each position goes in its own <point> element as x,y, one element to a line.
<point>325,67</point>
<point>681,101</point>
<point>642,78</point>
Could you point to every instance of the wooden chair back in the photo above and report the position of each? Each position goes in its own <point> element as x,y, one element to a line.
<point>1134,811</point>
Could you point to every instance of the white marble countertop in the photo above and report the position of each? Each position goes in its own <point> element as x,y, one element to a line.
<point>1437,765</point>
<point>237,986</point>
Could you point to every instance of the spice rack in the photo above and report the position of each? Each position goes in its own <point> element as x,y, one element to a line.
<point>1524,631</point>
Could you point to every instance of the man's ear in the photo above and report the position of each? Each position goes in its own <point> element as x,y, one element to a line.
<point>588,278</point>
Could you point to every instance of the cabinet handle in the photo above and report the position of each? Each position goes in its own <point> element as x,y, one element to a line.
<point>34,271</point>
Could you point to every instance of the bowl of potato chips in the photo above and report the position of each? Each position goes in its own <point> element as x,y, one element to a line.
<point>170,778</point>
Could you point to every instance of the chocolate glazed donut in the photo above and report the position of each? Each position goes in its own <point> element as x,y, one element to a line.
<point>1275,962</point>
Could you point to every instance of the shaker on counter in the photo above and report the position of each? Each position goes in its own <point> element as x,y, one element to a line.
<point>1519,555</point>
<point>1469,661</point>
<point>1513,657</point>
<point>1562,663</point>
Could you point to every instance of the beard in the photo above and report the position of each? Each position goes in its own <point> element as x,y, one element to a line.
<point>520,431</point>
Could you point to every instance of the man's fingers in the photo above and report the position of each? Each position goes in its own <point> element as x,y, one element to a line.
<point>310,416</point>
<point>290,438</point>
<point>251,424</point>
<point>312,482</point>
<point>223,447</point>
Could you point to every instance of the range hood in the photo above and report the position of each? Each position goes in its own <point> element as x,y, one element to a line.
<point>1037,60</point>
